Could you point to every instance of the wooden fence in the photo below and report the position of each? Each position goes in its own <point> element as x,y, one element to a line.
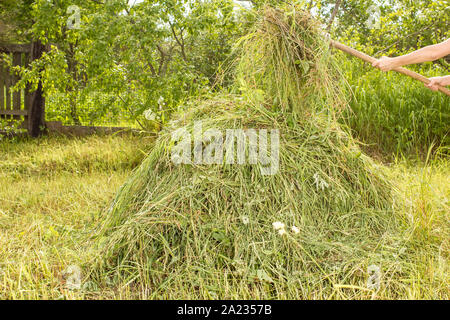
<point>29,107</point>
<point>14,105</point>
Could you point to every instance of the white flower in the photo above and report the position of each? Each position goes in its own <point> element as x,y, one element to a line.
<point>161,103</point>
<point>245,219</point>
<point>278,225</point>
<point>319,182</point>
<point>295,230</point>
<point>282,232</point>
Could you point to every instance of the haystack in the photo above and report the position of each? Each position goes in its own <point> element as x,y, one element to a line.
<point>224,229</point>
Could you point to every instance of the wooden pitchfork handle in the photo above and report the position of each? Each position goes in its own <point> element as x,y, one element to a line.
<point>370,60</point>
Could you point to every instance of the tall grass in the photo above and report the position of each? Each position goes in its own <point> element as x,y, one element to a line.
<point>393,114</point>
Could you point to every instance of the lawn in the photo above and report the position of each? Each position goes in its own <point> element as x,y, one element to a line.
<point>54,191</point>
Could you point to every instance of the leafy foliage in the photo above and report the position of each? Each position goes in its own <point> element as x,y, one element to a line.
<point>124,61</point>
<point>389,27</point>
<point>126,58</point>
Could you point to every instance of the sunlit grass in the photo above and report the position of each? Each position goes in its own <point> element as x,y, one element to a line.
<point>393,114</point>
<point>47,217</point>
<point>46,220</point>
<point>52,191</point>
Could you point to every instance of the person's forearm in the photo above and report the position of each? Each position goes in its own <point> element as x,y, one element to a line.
<point>429,53</point>
<point>422,55</point>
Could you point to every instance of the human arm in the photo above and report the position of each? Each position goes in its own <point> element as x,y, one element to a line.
<point>429,53</point>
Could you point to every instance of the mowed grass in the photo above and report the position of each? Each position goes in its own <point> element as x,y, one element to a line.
<point>53,191</point>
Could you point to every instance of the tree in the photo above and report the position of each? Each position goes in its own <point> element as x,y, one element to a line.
<point>389,27</point>
<point>123,57</point>
<point>15,25</point>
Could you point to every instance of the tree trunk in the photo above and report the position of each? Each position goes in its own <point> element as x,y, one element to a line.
<point>36,112</point>
<point>333,14</point>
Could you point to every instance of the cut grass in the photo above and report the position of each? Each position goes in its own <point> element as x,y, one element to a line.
<point>181,226</point>
<point>47,156</point>
<point>46,221</point>
<point>173,229</point>
<point>51,193</point>
<point>179,231</point>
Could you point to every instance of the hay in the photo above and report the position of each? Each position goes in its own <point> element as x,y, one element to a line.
<point>209,228</point>
<point>288,59</point>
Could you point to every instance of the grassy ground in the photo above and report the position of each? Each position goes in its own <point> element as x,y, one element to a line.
<point>53,190</point>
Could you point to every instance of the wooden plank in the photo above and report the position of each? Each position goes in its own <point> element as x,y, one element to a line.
<point>26,98</point>
<point>14,112</point>
<point>27,93</point>
<point>28,101</point>
<point>14,105</point>
<point>7,91</point>
<point>12,48</point>
<point>2,87</point>
<point>17,61</point>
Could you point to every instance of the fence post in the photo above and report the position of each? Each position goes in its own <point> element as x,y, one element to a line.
<point>11,103</point>
<point>2,87</point>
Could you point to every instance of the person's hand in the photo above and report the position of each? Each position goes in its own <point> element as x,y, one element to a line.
<point>435,82</point>
<point>385,64</point>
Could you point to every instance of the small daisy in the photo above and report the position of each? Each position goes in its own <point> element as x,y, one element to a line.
<point>278,225</point>
<point>295,230</point>
<point>282,232</point>
<point>245,220</point>
<point>319,182</point>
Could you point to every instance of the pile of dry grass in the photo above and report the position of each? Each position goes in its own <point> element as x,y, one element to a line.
<point>209,229</point>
